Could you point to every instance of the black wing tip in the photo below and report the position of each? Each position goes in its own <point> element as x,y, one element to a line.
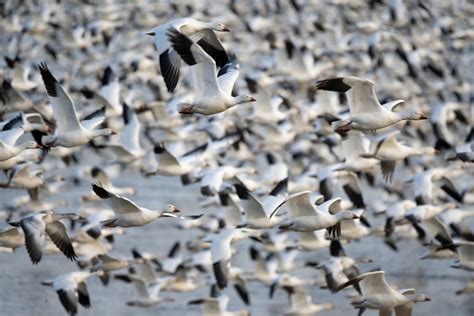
<point>182,44</point>
<point>169,71</point>
<point>126,113</point>
<point>48,79</point>
<point>333,84</point>
<point>100,191</point>
<point>17,121</point>
<point>242,191</point>
<point>108,76</point>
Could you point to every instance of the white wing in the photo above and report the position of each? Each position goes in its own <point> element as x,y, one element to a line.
<point>64,111</point>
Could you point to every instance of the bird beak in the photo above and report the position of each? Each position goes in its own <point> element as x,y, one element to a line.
<point>423,117</point>
<point>176,210</point>
<point>151,33</point>
<point>427,299</point>
<point>355,216</point>
<point>113,133</point>
<point>225,29</point>
<point>252,99</point>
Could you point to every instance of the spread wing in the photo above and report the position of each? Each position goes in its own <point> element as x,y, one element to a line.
<point>193,54</point>
<point>64,111</point>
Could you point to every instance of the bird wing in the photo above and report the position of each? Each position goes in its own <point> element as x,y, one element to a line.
<point>228,75</point>
<point>94,119</point>
<point>361,96</point>
<point>34,227</point>
<point>388,141</point>
<point>212,180</point>
<point>68,299</point>
<point>252,206</point>
<point>300,204</point>
<point>393,104</point>
<point>141,289</point>
<point>64,111</point>
<point>9,137</point>
<point>353,146</point>
<point>212,46</point>
<point>131,130</point>
<point>360,92</point>
<point>193,54</point>
<point>118,203</point>
<point>57,232</point>
<point>374,283</point>
<point>439,230</point>
<point>83,294</point>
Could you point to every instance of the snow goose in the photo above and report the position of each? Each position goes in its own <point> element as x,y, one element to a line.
<point>129,214</point>
<point>256,214</point>
<point>211,99</point>
<point>108,94</point>
<point>35,227</point>
<point>367,114</point>
<point>71,289</point>
<point>129,149</point>
<point>69,131</point>
<point>301,303</point>
<point>378,294</point>
<point>307,217</point>
<point>9,135</point>
<point>266,108</point>
<point>203,35</point>
<point>14,99</point>
<point>170,165</point>
<point>389,150</point>
<point>353,146</point>
<point>423,185</point>
<point>213,178</point>
<point>20,79</point>
<point>216,305</point>
<point>340,267</point>
<point>221,252</point>
<point>146,294</point>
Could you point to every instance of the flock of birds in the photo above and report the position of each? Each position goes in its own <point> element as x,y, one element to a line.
<point>335,125</point>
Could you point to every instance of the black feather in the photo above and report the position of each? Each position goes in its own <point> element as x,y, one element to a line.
<point>49,80</point>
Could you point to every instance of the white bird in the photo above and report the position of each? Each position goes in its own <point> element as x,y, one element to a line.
<point>69,131</point>
<point>9,135</point>
<point>211,97</point>
<point>216,305</point>
<point>35,227</point>
<point>307,217</point>
<point>378,294</point>
<point>366,111</point>
<point>301,303</point>
<point>201,32</point>
<point>423,185</point>
<point>258,214</point>
<point>72,288</point>
<point>146,294</point>
<point>389,150</point>
<point>129,214</point>
<point>129,148</point>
